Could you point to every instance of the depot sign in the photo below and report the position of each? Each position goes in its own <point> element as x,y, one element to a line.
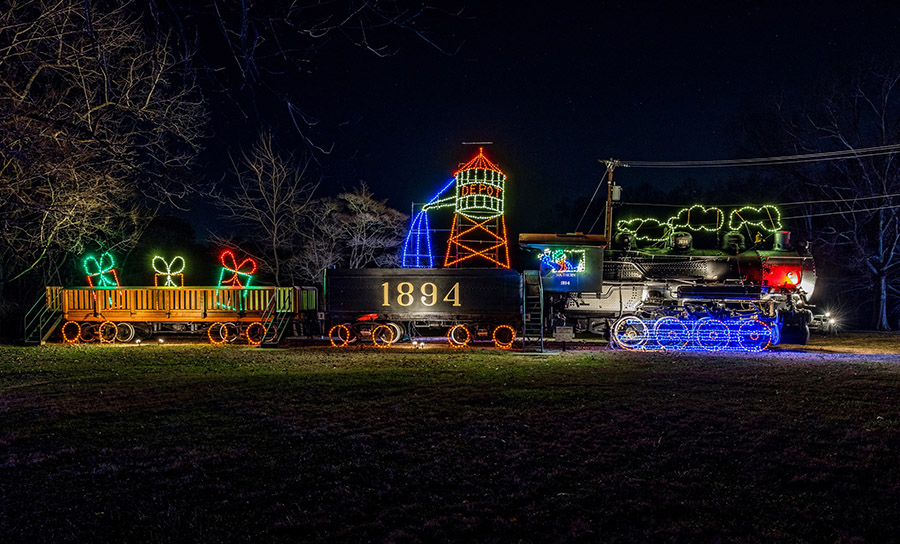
<point>480,189</point>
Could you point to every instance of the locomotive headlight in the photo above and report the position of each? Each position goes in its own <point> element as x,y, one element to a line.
<point>828,314</point>
<point>831,321</point>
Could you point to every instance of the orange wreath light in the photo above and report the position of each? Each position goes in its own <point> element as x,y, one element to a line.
<point>504,345</point>
<point>100,332</point>
<point>222,337</point>
<point>463,344</point>
<point>346,340</point>
<point>66,338</point>
<point>375,336</point>
<point>261,337</point>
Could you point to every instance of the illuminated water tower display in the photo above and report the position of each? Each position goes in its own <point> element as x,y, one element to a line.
<point>478,232</point>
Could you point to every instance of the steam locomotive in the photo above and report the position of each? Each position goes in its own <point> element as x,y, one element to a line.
<point>657,292</point>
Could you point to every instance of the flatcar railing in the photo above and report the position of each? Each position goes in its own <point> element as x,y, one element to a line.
<point>172,303</point>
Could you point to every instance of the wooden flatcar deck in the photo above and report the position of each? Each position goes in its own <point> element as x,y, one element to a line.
<point>174,304</point>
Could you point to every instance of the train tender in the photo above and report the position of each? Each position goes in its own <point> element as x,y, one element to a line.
<point>387,305</point>
<point>657,292</point>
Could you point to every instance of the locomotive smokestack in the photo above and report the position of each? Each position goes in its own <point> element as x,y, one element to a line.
<point>782,240</point>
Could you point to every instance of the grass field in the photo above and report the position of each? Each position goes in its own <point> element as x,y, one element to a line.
<point>197,443</point>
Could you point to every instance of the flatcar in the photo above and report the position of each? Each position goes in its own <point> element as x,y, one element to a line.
<point>224,314</point>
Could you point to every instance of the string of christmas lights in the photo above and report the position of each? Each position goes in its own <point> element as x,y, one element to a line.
<point>766,218</point>
<point>413,257</point>
<point>244,270</point>
<point>557,260</point>
<point>102,270</point>
<point>706,334</point>
<point>699,221</point>
<point>169,269</point>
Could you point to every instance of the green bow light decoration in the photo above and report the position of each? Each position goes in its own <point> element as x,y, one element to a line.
<point>175,267</point>
<point>100,273</point>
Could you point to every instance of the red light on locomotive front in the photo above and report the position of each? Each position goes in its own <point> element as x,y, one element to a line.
<point>782,275</point>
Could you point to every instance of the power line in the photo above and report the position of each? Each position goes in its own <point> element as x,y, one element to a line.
<point>782,204</point>
<point>767,161</point>
<point>891,207</point>
<point>841,212</point>
<point>597,190</point>
<point>770,161</point>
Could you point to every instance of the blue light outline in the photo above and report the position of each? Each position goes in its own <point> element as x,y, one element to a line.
<point>741,335</point>
<point>416,259</point>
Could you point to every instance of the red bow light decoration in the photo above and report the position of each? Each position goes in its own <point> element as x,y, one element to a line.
<point>244,270</point>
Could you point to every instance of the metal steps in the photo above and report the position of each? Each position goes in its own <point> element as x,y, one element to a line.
<point>533,311</point>
<point>277,316</point>
<point>44,316</point>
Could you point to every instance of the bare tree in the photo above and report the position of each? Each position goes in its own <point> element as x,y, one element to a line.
<point>320,242</point>
<point>273,194</point>
<point>857,216</point>
<point>353,230</point>
<point>99,125</point>
<point>373,230</point>
<point>254,52</point>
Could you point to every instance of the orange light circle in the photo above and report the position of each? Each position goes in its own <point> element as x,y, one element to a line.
<point>261,337</point>
<point>504,345</point>
<point>376,336</point>
<point>222,337</point>
<point>345,340</point>
<point>453,343</point>
<point>100,332</point>
<point>66,338</point>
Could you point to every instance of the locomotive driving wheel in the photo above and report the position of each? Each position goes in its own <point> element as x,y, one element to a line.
<point>712,334</point>
<point>630,332</point>
<point>753,335</point>
<point>671,333</point>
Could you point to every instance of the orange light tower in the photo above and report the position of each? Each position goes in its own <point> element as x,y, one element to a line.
<point>478,233</point>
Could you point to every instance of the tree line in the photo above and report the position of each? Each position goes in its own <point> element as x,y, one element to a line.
<point>105,108</point>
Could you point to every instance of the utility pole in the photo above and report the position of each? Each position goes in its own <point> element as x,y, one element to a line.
<point>611,165</point>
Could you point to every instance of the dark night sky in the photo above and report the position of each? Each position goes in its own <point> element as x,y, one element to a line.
<point>557,88</point>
